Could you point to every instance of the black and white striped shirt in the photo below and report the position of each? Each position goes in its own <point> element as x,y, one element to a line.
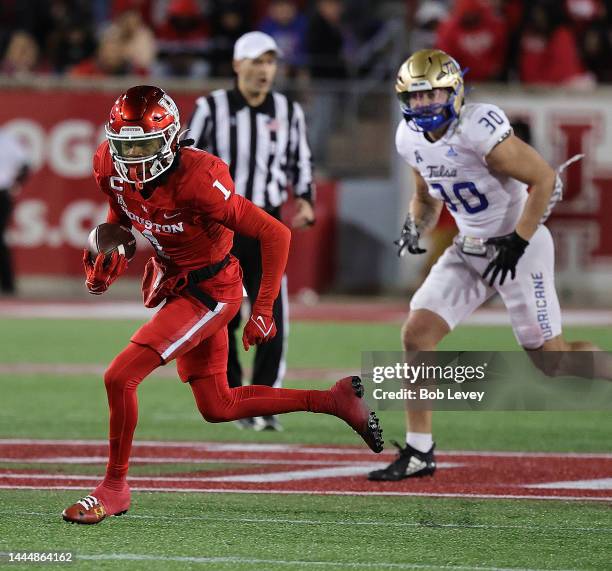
<point>265,146</point>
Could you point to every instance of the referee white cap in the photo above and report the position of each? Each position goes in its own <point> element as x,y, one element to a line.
<point>253,44</point>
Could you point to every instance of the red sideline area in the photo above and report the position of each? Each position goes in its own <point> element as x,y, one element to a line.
<point>282,468</point>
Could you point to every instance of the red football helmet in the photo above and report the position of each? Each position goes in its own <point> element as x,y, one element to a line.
<point>142,133</point>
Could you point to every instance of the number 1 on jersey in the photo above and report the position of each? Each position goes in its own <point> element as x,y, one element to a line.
<point>226,193</point>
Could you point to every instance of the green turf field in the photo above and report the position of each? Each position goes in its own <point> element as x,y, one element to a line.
<point>224,531</point>
<point>357,532</point>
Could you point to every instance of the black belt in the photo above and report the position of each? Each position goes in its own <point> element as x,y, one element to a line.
<point>208,272</point>
<point>196,276</point>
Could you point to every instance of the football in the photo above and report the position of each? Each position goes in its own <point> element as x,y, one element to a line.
<point>107,238</point>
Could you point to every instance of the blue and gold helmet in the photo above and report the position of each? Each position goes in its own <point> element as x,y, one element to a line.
<point>425,70</point>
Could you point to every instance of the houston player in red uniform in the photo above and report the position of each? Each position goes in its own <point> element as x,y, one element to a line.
<point>182,200</point>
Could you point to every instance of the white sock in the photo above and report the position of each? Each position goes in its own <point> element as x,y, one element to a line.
<point>422,441</point>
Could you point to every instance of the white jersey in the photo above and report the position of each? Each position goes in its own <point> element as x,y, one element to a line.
<point>482,203</point>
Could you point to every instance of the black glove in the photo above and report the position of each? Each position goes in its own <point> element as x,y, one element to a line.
<point>409,238</point>
<point>510,248</point>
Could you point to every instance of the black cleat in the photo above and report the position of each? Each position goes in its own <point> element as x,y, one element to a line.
<point>410,463</point>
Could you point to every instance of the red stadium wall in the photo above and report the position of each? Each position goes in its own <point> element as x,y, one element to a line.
<point>60,203</point>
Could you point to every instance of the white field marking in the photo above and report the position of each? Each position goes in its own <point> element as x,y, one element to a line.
<point>295,448</point>
<point>76,310</point>
<point>570,317</point>
<point>291,563</point>
<point>336,472</point>
<point>133,310</point>
<point>158,460</point>
<point>594,484</point>
<point>328,493</point>
<point>285,521</point>
<point>274,476</point>
<point>295,475</point>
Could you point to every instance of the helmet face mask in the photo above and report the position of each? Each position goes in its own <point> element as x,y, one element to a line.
<point>143,134</point>
<point>431,116</point>
<point>430,70</point>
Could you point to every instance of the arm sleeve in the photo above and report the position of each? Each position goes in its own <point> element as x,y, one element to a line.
<point>200,124</point>
<point>300,157</point>
<point>274,238</point>
<point>242,216</point>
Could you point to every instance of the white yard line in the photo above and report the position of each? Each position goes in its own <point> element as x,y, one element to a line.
<point>593,484</point>
<point>293,448</point>
<point>296,475</point>
<point>289,563</point>
<point>134,310</point>
<point>354,469</point>
<point>294,563</point>
<point>167,460</point>
<point>329,493</point>
<point>52,310</point>
<point>342,523</point>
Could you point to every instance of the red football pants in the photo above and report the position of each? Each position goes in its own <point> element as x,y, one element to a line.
<point>215,400</point>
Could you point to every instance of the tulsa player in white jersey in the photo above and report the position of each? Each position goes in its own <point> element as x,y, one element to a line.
<point>465,156</point>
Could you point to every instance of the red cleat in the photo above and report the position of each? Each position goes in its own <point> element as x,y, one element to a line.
<point>100,504</point>
<point>350,407</point>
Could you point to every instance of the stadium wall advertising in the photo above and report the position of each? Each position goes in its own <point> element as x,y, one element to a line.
<point>60,203</point>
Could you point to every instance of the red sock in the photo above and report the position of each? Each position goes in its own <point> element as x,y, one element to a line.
<point>122,378</point>
<point>218,403</point>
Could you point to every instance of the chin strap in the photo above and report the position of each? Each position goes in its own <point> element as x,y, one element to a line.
<point>138,184</point>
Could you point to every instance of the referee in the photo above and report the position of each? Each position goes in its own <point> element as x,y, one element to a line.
<point>261,135</point>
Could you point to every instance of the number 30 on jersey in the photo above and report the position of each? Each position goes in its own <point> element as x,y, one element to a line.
<point>466,196</point>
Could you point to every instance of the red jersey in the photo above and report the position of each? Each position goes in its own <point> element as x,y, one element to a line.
<point>190,218</point>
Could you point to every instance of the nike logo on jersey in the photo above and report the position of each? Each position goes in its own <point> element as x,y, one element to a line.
<point>172,216</point>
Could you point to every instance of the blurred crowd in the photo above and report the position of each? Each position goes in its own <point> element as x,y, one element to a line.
<point>546,42</point>
<point>531,41</point>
